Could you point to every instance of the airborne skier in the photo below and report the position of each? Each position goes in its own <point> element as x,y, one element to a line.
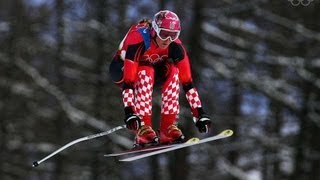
<point>152,54</point>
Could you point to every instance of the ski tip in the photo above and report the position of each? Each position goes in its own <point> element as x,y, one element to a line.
<point>227,132</point>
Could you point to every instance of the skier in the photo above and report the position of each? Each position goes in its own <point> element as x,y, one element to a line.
<point>152,54</point>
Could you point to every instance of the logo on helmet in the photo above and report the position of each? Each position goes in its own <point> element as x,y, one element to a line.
<point>172,25</point>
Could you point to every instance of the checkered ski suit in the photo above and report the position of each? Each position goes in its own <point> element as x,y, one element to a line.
<point>139,65</point>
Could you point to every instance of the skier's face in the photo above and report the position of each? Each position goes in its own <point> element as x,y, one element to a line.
<point>163,44</point>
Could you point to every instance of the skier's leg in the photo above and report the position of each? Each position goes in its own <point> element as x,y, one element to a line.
<point>143,104</point>
<point>169,132</point>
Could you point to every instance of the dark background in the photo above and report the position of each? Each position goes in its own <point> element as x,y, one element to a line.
<point>255,64</point>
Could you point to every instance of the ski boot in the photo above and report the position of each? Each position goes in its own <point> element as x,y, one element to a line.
<point>145,136</point>
<point>171,135</point>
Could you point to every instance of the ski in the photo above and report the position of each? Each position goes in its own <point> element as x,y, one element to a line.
<point>223,134</point>
<point>149,148</point>
<point>139,150</point>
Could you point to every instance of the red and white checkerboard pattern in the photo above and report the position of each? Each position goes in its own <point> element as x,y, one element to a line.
<point>144,89</point>
<point>128,97</point>
<point>170,97</point>
<point>193,98</point>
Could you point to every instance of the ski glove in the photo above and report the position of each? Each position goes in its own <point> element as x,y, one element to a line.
<point>202,121</point>
<point>132,120</point>
<point>203,124</point>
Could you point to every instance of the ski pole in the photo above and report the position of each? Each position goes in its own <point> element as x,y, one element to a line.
<point>36,163</point>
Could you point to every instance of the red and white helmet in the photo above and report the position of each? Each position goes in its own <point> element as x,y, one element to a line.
<point>166,24</point>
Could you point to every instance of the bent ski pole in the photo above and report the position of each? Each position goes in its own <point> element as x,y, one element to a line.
<point>36,163</point>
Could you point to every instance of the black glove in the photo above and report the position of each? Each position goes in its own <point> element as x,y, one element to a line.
<point>203,122</point>
<point>132,120</point>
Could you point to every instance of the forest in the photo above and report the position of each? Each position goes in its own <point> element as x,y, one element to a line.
<point>255,63</point>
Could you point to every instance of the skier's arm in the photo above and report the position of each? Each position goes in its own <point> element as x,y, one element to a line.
<point>130,68</point>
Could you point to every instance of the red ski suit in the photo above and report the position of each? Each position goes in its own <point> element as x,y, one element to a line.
<point>144,65</point>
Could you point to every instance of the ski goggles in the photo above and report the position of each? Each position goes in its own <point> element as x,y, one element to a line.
<point>165,34</point>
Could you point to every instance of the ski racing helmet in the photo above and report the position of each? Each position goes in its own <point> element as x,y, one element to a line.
<point>166,24</point>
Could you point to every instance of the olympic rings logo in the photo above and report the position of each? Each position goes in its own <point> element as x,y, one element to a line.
<point>302,2</point>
